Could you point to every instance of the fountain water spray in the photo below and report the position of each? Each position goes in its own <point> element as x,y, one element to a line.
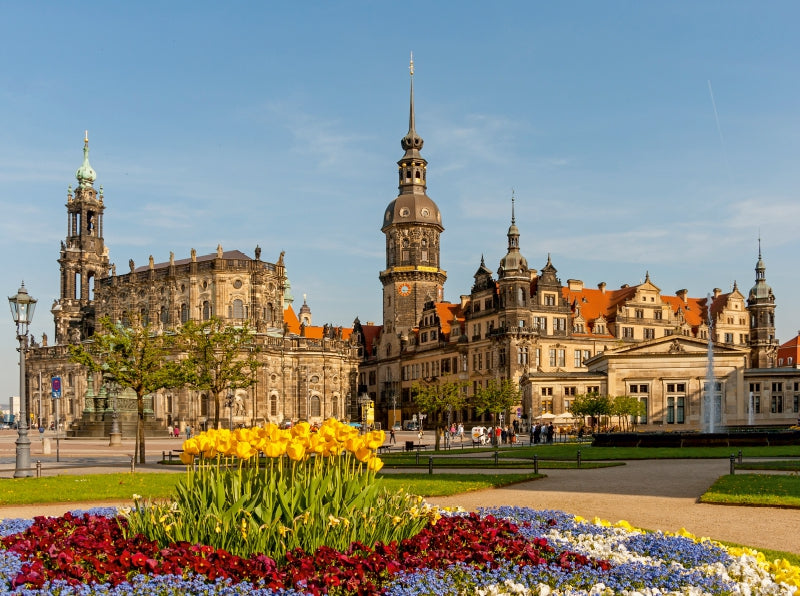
<point>709,416</point>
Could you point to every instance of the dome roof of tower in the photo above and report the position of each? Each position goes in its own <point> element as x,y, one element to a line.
<point>413,208</point>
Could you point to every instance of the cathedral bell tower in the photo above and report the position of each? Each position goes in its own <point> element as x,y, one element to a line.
<point>83,258</point>
<point>412,224</point>
<point>761,306</point>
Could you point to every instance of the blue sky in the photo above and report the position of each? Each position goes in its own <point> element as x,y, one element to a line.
<point>279,124</point>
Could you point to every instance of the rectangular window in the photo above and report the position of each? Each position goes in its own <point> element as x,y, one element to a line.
<point>658,315</point>
<point>569,390</point>
<point>540,323</point>
<point>562,357</point>
<point>777,387</point>
<point>729,338</point>
<point>593,389</point>
<point>552,356</point>
<point>586,355</point>
<point>547,391</point>
<point>627,332</point>
<point>676,399</point>
<point>547,406</point>
<point>649,333</point>
<point>796,404</point>
<point>559,324</point>
<point>538,357</point>
<point>599,328</point>
<point>639,313</point>
<point>577,359</point>
<point>777,404</point>
<point>549,299</point>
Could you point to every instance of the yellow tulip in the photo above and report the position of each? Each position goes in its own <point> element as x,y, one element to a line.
<point>363,453</point>
<point>301,429</point>
<point>244,450</point>
<point>375,439</point>
<point>187,457</point>
<point>275,449</point>
<point>295,450</point>
<point>191,447</point>
<point>375,464</point>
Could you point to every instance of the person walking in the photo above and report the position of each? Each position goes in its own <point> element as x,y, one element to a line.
<point>392,438</point>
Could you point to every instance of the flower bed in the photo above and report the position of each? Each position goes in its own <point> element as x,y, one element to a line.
<point>501,551</point>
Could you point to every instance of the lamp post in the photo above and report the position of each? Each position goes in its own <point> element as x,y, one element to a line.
<point>22,307</point>
<point>115,436</point>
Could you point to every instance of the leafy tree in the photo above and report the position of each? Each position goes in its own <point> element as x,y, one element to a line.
<point>591,404</point>
<point>627,409</point>
<point>219,358</point>
<point>437,398</point>
<point>137,357</point>
<point>497,398</point>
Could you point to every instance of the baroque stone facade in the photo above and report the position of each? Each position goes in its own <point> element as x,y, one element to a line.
<point>557,341</point>
<point>307,372</point>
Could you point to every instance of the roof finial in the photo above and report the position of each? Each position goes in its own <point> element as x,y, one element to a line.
<point>411,108</point>
<point>759,244</point>
<point>85,174</point>
<point>512,206</point>
<point>86,137</point>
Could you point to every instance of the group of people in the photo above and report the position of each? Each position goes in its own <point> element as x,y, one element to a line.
<point>497,435</point>
<point>542,433</point>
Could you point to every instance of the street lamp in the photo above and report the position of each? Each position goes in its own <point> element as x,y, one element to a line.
<point>115,436</point>
<point>22,307</point>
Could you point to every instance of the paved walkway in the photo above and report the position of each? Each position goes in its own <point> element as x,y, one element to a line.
<point>654,494</point>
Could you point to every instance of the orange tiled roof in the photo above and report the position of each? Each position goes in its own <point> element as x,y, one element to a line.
<point>596,303</point>
<point>447,311</point>
<point>311,331</point>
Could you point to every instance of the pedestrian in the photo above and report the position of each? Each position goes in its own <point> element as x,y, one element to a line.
<point>392,438</point>
<point>537,433</point>
<point>188,432</point>
<point>504,435</point>
<point>550,432</point>
<point>531,433</point>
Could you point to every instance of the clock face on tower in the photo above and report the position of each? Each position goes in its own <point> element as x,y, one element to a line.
<point>404,290</point>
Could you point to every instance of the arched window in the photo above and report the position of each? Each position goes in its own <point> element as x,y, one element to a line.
<point>315,406</point>
<point>238,309</point>
<point>164,317</point>
<point>273,405</point>
<point>184,313</point>
<point>143,318</point>
<point>206,310</point>
<point>268,313</point>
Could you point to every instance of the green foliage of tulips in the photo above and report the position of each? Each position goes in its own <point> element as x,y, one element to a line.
<point>270,491</point>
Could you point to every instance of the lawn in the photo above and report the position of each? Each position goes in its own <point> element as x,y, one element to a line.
<point>121,487</point>
<point>781,490</point>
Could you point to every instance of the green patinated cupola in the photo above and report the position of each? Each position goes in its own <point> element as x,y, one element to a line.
<point>85,174</point>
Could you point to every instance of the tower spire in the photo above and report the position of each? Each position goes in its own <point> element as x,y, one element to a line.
<point>412,142</point>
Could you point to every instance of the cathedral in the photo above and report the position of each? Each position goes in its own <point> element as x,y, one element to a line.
<point>307,372</point>
<point>556,341</point>
<point>552,340</point>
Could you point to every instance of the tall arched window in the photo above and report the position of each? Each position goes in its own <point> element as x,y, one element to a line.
<point>315,406</point>
<point>206,310</point>
<point>184,313</point>
<point>164,317</point>
<point>273,405</point>
<point>238,309</point>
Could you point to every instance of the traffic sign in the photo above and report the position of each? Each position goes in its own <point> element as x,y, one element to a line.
<point>55,387</point>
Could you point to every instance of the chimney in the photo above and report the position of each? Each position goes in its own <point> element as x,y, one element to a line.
<point>464,300</point>
<point>575,285</point>
<point>717,292</point>
<point>683,295</point>
<point>602,287</point>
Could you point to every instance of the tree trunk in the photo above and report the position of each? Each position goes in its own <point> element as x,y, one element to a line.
<point>216,410</point>
<point>140,428</point>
